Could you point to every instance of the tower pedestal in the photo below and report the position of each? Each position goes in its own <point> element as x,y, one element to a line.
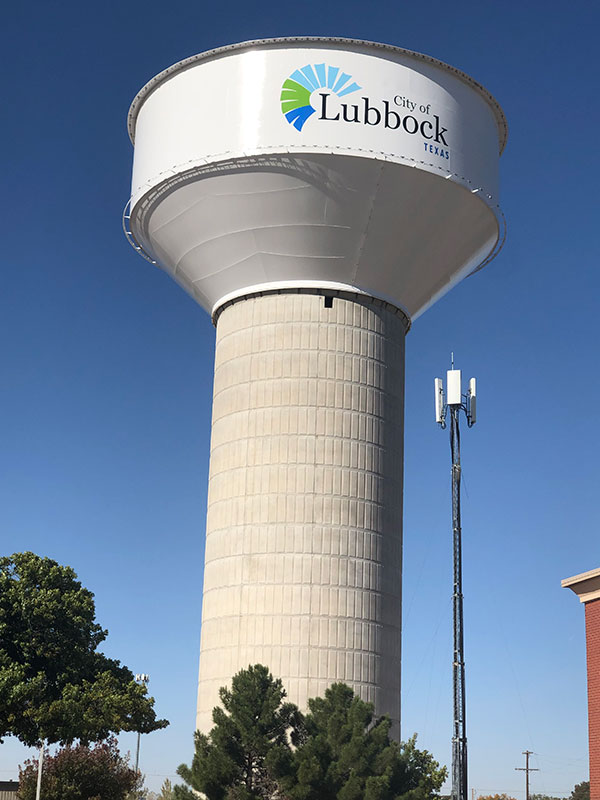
<point>304,528</point>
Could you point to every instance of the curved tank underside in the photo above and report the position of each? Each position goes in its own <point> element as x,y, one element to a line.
<point>389,230</point>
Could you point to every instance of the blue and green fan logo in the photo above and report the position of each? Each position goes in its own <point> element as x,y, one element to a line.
<point>297,89</point>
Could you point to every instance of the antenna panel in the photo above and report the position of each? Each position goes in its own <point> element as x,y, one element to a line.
<point>472,401</point>
<point>454,387</point>
<point>439,400</point>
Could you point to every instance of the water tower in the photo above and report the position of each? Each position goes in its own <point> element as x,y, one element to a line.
<point>313,195</point>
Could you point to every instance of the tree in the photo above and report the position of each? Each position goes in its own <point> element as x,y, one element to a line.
<point>81,773</point>
<point>347,754</point>
<point>166,791</point>
<point>497,797</point>
<point>231,762</point>
<point>54,685</point>
<point>543,797</point>
<point>581,791</point>
<point>339,752</point>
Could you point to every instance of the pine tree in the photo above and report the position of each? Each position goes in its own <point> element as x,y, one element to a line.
<point>347,754</point>
<point>231,763</point>
<point>166,791</point>
<point>261,748</point>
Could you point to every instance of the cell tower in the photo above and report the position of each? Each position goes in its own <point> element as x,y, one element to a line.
<point>451,406</point>
<point>314,196</point>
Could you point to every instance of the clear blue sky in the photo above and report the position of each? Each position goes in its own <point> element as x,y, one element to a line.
<point>107,365</point>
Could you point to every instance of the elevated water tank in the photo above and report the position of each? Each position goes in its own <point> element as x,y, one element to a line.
<point>315,196</point>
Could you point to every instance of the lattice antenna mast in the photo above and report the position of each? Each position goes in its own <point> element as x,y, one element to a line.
<point>449,407</point>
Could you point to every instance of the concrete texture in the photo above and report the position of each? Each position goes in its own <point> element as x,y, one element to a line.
<point>304,524</point>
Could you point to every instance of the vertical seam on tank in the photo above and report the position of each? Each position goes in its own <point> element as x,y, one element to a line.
<point>367,226</point>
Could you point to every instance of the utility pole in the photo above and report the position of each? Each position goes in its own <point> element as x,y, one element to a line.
<point>451,405</point>
<point>527,769</point>
<point>38,789</point>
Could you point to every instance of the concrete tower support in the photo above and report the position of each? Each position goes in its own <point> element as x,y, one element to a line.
<point>304,526</point>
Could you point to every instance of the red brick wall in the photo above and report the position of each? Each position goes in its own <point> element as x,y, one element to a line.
<point>592,636</point>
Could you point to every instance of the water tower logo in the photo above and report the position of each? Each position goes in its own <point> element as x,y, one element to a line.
<point>297,89</point>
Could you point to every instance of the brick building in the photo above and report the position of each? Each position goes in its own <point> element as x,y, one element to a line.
<point>587,587</point>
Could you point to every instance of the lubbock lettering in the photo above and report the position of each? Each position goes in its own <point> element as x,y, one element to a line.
<point>368,114</point>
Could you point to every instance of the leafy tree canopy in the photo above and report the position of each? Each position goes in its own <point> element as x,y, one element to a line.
<point>581,791</point>
<point>80,773</point>
<point>495,797</point>
<point>54,685</point>
<point>231,762</point>
<point>543,797</point>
